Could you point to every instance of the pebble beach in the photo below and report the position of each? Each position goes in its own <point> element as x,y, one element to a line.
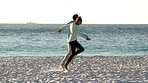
<point>94,69</point>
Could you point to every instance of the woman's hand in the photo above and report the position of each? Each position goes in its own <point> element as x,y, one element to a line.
<point>59,30</point>
<point>87,38</point>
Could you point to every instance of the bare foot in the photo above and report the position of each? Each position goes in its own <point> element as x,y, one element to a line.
<point>65,71</point>
<point>62,66</point>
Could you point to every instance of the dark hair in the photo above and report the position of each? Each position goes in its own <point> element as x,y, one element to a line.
<point>75,16</point>
<point>79,18</point>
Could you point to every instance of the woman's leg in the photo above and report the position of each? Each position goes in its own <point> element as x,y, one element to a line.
<point>74,45</point>
<point>66,57</point>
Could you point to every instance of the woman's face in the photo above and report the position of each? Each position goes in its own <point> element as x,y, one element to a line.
<point>79,22</point>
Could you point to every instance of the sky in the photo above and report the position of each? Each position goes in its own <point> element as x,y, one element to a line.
<point>61,11</point>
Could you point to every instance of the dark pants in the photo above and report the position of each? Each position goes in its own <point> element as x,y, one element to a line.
<point>74,45</point>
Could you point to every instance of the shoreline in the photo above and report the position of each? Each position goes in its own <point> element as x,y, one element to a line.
<point>34,69</point>
<point>80,55</point>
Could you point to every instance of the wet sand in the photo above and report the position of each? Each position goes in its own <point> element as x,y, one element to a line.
<point>95,69</point>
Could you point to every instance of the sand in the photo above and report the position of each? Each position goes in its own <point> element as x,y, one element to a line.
<point>95,69</point>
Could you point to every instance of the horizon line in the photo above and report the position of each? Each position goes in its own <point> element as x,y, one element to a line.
<point>31,23</point>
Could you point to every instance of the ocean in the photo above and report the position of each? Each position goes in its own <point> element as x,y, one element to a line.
<point>44,40</point>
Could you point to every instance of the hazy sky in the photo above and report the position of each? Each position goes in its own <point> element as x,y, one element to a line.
<point>61,11</point>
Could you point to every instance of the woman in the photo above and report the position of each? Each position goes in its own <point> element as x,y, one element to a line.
<point>72,40</point>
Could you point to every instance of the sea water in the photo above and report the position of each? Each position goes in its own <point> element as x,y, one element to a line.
<point>44,40</point>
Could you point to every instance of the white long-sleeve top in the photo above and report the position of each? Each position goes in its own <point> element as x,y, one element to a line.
<point>72,32</point>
